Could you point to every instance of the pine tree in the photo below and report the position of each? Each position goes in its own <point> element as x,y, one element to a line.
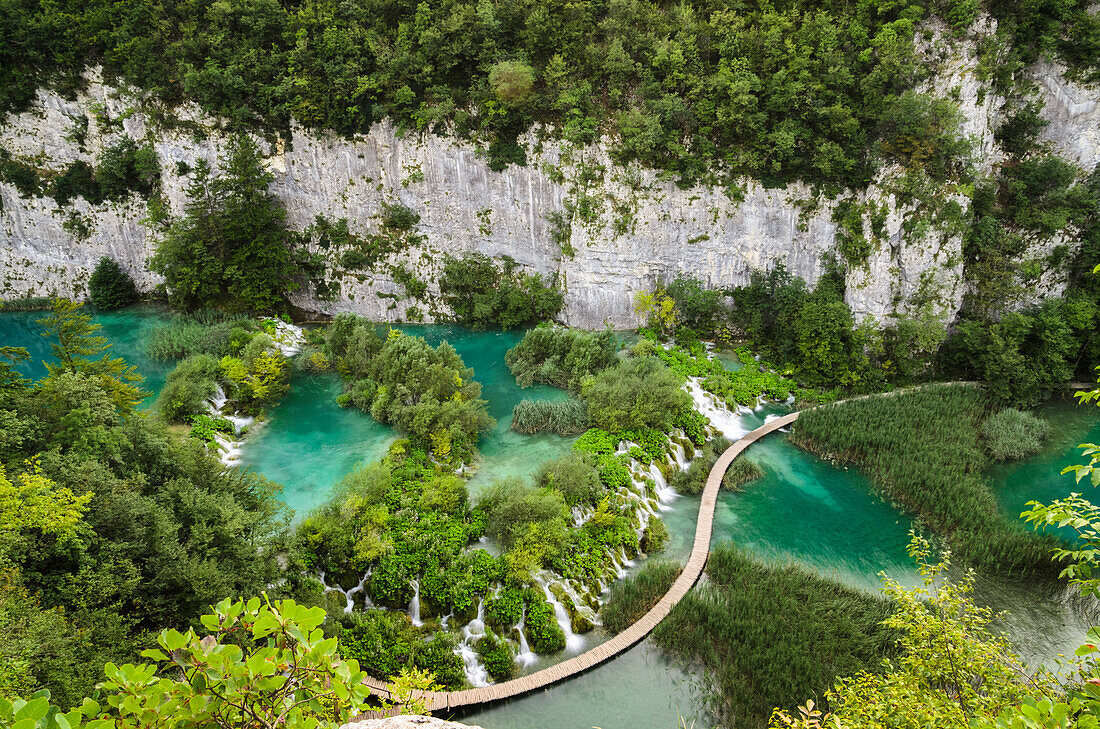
<point>78,349</point>
<point>233,247</point>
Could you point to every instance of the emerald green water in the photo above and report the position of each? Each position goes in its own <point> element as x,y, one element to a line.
<point>126,330</point>
<point>803,510</point>
<point>308,442</point>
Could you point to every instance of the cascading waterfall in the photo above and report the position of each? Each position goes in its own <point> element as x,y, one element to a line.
<point>471,633</point>
<point>727,423</point>
<point>524,656</point>
<point>414,604</point>
<point>573,643</point>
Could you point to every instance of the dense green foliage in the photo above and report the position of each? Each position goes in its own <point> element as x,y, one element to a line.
<point>187,388</point>
<point>232,248</point>
<point>424,391</point>
<point>636,394</point>
<point>683,86</point>
<point>167,530</point>
<point>483,293</point>
<point>122,168</point>
<point>384,642</point>
<point>110,285</point>
<point>816,632</point>
<point>693,479</point>
<point>564,417</point>
<point>1011,434</point>
<point>635,596</point>
<point>925,451</point>
<point>560,356</point>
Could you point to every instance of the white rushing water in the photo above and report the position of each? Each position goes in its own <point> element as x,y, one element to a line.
<point>414,604</point>
<point>524,656</point>
<point>288,337</point>
<point>573,643</point>
<point>727,423</point>
<point>471,633</point>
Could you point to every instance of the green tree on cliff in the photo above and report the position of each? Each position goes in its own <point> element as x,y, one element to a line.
<point>232,248</point>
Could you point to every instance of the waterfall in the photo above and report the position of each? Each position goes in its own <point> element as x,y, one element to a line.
<point>665,493</point>
<point>471,633</point>
<point>727,423</point>
<point>414,604</point>
<point>288,337</point>
<point>573,642</point>
<point>525,657</point>
<point>358,588</point>
<point>680,457</point>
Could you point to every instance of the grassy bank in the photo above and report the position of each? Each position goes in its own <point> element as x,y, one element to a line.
<point>771,636</point>
<point>924,449</point>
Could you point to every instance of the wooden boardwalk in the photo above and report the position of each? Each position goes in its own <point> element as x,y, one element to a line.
<point>443,700</point>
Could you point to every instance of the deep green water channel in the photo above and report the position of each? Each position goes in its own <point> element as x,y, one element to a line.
<point>804,510</point>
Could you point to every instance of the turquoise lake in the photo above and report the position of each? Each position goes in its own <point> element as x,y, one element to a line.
<point>804,510</point>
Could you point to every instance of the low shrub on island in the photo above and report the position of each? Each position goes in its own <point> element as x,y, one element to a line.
<point>561,356</point>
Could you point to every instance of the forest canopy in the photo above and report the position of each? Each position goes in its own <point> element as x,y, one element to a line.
<point>682,86</point>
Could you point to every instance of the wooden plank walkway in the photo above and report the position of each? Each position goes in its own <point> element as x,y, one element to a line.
<point>442,700</point>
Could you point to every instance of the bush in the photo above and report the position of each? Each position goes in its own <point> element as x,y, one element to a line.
<point>497,656</point>
<point>384,642</point>
<point>511,81</point>
<point>543,632</point>
<point>512,508</point>
<point>561,357</point>
<point>564,417</point>
<point>1011,434</point>
<point>655,536</point>
<point>187,388</point>
<point>640,393</point>
<point>635,596</point>
<point>110,285</point>
<point>575,476</point>
<point>483,293</point>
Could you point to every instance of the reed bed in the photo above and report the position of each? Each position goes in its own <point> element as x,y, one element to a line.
<point>924,450</point>
<point>634,597</point>
<point>564,417</point>
<point>773,636</point>
<point>202,332</point>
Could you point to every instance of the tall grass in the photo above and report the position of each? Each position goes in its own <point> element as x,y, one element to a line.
<point>27,303</point>
<point>633,597</point>
<point>741,472</point>
<point>1011,434</point>
<point>773,636</point>
<point>203,332</point>
<point>564,417</point>
<point>924,450</point>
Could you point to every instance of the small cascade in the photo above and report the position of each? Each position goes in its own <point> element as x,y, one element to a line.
<point>240,422</point>
<point>665,493</point>
<point>360,588</point>
<point>288,337</point>
<point>474,630</point>
<point>524,657</point>
<point>726,422</point>
<point>217,401</point>
<point>229,450</point>
<point>679,456</point>
<point>414,604</point>
<point>573,643</point>
<point>580,605</point>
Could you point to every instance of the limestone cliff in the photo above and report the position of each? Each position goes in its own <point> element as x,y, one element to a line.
<point>606,231</point>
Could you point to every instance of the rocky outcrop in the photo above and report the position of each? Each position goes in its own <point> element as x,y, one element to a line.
<point>606,231</point>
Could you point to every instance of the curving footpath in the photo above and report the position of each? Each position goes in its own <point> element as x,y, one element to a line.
<point>443,700</point>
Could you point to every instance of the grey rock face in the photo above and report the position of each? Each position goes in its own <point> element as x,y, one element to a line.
<point>638,227</point>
